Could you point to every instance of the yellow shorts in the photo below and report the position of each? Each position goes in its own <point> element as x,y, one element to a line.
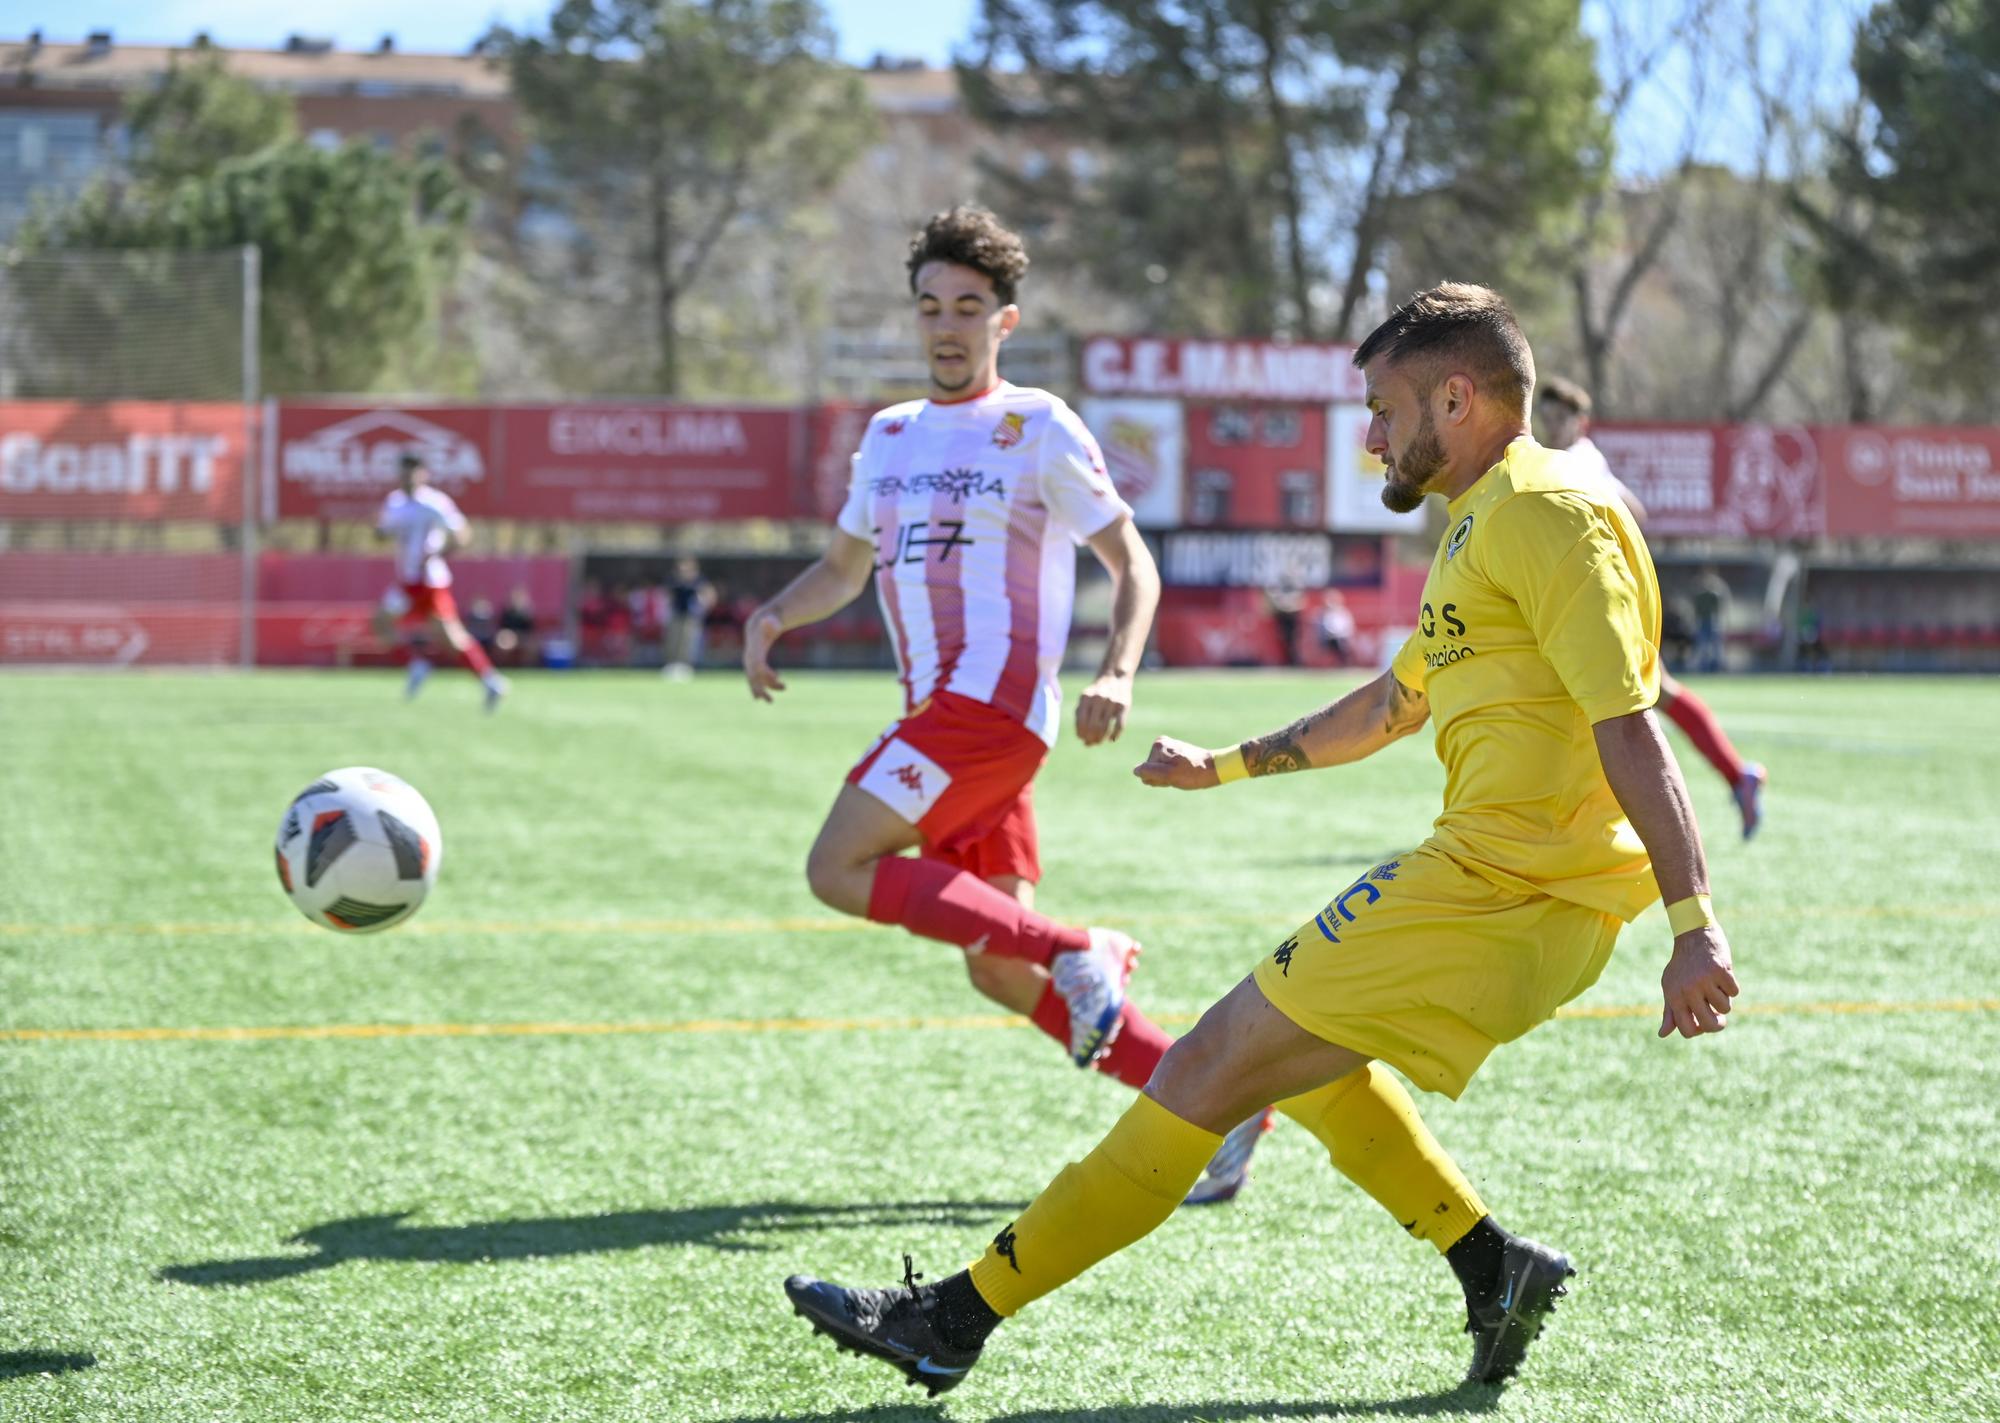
<point>1428,966</point>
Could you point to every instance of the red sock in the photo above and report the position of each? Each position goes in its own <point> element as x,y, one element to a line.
<point>476,658</point>
<point>1135,1051</point>
<point>939,901</point>
<point>1691,714</point>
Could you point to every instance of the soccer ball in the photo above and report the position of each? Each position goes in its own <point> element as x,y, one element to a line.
<point>358,850</point>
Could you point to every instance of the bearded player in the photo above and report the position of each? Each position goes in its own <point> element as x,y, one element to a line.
<point>425,524</point>
<point>1564,407</point>
<point>1536,654</point>
<point>967,507</point>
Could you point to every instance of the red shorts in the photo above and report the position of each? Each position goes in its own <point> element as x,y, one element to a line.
<point>412,603</point>
<point>963,774</point>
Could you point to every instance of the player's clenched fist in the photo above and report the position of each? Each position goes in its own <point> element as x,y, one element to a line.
<point>1180,765</point>
<point>1698,984</point>
<point>1101,712</point>
<point>763,629</point>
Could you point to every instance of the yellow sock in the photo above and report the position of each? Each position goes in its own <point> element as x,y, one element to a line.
<point>1096,1207</point>
<point>1372,1131</point>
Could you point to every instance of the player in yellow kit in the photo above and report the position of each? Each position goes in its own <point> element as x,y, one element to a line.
<point>1537,655</point>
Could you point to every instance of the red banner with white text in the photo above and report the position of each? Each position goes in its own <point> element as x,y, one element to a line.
<point>1885,482</point>
<point>133,460</point>
<point>582,463</point>
<point>1804,481</point>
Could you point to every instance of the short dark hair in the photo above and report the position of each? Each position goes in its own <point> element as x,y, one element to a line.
<point>1566,393</point>
<point>1457,323</point>
<point>971,236</point>
<point>410,459</point>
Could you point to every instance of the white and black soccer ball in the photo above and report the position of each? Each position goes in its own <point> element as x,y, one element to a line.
<point>358,850</point>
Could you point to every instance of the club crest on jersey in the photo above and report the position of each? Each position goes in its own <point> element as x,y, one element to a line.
<point>1010,431</point>
<point>1458,537</point>
<point>894,427</point>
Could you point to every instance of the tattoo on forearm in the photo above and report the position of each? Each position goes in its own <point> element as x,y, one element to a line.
<point>1275,754</point>
<point>1283,751</point>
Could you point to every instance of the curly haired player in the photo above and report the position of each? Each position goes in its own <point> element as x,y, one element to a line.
<point>967,507</point>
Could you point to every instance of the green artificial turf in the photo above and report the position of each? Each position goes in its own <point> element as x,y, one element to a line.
<point>1799,1220</point>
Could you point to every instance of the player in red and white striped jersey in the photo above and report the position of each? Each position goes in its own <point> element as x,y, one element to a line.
<point>968,507</point>
<point>425,524</point>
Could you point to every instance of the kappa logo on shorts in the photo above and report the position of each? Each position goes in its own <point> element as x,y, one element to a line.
<point>905,779</point>
<point>1283,958</point>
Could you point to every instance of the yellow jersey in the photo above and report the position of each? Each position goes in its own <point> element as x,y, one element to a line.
<point>1540,617</point>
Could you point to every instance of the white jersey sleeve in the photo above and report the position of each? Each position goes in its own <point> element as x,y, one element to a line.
<point>448,512</point>
<point>855,519</point>
<point>1076,486</point>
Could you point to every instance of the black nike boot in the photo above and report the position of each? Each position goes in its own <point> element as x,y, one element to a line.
<point>1508,1320</point>
<point>899,1325</point>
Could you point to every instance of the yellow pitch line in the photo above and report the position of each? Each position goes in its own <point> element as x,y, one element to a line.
<point>1160,918</point>
<point>829,1025</point>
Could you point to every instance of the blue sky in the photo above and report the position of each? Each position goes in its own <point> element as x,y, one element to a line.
<point>1648,140</point>
<point>927,30</point>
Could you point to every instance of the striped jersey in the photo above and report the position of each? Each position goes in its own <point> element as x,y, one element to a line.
<point>975,509</point>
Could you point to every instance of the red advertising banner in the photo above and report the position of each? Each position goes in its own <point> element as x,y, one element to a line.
<point>1721,481</point>
<point>1927,482</point>
<point>1305,373</point>
<point>652,462</point>
<point>121,609</point>
<point>122,459</point>
<point>337,461</point>
<point>585,463</point>
<point>1791,481</point>
<point>836,431</point>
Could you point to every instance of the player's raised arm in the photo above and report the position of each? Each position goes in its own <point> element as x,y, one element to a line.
<point>1359,724</point>
<point>830,584</point>
<point>1135,595</point>
<point>1699,980</point>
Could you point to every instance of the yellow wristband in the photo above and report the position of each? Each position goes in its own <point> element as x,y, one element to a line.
<point>1694,912</point>
<point>1229,765</point>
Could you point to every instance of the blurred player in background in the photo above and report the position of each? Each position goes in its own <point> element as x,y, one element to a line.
<point>689,598</point>
<point>425,525</point>
<point>1564,407</point>
<point>967,507</point>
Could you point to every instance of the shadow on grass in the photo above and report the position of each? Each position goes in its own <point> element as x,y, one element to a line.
<point>385,1237</point>
<point>30,1362</point>
<point>1465,1398</point>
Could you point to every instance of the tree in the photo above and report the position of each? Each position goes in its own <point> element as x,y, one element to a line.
<point>669,128</point>
<point>1692,290</point>
<point>1263,165</point>
<point>354,242</point>
<point>199,117</point>
<point>1917,242</point>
